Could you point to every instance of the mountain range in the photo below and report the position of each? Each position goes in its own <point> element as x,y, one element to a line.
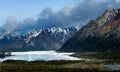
<point>42,39</point>
<point>100,35</point>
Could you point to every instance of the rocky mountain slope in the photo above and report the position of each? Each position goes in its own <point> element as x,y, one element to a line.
<point>101,35</point>
<point>43,39</point>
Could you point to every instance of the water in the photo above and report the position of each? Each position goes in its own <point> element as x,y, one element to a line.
<point>39,55</point>
<point>113,67</point>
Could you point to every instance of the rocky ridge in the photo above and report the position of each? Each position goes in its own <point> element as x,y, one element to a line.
<point>99,35</point>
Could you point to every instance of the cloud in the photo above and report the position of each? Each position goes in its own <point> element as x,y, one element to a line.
<point>27,25</point>
<point>75,14</point>
<point>13,25</point>
<point>71,15</point>
<point>10,24</point>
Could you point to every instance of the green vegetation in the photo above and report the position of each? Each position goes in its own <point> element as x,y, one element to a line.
<point>53,66</point>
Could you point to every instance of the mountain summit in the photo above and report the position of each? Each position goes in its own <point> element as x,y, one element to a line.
<point>102,34</point>
<point>42,39</point>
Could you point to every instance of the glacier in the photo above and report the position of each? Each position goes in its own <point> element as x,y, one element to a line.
<point>39,55</point>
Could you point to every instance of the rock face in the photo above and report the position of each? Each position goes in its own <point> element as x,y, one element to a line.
<point>102,34</point>
<point>43,39</point>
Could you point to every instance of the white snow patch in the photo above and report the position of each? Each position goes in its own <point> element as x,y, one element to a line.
<point>35,34</point>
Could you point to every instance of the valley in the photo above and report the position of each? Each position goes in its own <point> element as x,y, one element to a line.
<point>66,36</point>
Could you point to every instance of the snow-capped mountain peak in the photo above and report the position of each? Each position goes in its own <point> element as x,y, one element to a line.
<point>42,39</point>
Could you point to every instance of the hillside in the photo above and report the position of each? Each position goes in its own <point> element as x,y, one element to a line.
<point>100,35</point>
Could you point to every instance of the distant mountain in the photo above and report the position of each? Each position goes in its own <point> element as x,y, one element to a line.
<point>100,35</point>
<point>43,39</point>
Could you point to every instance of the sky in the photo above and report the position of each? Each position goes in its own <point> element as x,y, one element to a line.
<point>27,15</point>
<point>21,9</point>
